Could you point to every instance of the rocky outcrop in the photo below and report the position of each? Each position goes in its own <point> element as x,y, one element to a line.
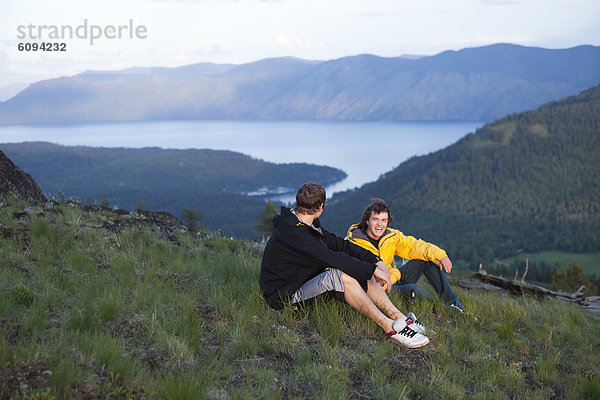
<point>16,183</point>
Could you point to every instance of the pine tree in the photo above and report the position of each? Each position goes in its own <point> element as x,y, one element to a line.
<point>141,205</point>
<point>265,220</point>
<point>191,219</point>
<point>572,279</point>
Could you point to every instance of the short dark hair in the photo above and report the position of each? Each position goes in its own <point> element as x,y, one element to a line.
<point>309,198</point>
<point>377,206</point>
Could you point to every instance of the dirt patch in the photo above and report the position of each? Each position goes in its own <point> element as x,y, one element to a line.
<point>126,329</point>
<point>209,313</point>
<point>18,235</point>
<point>83,391</point>
<point>5,231</point>
<point>12,331</point>
<point>24,379</point>
<point>361,383</point>
<point>114,387</point>
<point>406,363</point>
<point>155,358</point>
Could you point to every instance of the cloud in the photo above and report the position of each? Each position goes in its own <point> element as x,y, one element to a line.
<point>294,43</point>
<point>500,2</point>
<point>214,48</point>
<point>207,1</point>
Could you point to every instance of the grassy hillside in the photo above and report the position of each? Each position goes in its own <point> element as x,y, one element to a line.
<point>589,262</point>
<point>91,311</point>
<point>527,182</point>
<point>213,183</point>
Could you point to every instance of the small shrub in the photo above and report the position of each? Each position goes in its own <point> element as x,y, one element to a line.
<point>109,307</point>
<point>184,387</point>
<point>5,303</point>
<point>224,244</point>
<point>109,353</point>
<point>591,388</point>
<point>38,395</point>
<point>79,261</point>
<point>123,263</point>
<point>36,321</point>
<point>5,352</point>
<point>22,295</point>
<point>39,227</point>
<point>82,320</point>
<point>64,375</point>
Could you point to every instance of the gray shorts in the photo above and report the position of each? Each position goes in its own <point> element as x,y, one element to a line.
<point>328,281</point>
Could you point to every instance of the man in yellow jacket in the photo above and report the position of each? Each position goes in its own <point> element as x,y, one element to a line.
<point>373,233</point>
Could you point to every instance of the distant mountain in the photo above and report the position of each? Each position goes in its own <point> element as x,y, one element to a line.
<point>212,183</point>
<point>529,181</point>
<point>475,84</point>
<point>10,90</point>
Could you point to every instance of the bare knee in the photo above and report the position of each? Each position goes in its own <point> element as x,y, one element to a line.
<point>349,281</point>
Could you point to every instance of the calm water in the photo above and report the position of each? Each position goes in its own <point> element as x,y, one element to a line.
<point>364,150</point>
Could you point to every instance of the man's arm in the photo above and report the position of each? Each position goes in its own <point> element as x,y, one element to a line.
<point>417,249</point>
<point>446,264</point>
<point>382,275</point>
<point>312,248</point>
<point>336,243</point>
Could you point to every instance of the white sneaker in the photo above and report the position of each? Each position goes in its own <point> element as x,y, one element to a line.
<point>416,325</point>
<point>407,337</point>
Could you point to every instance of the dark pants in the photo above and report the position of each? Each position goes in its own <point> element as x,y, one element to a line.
<point>412,271</point>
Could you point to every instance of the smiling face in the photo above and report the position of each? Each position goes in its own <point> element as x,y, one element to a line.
<point>377,224</point>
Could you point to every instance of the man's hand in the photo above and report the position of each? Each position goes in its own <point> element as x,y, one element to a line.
<point>382,275</point>
<point>446,264</point>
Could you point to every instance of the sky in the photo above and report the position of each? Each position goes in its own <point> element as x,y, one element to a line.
<point>119,34</point>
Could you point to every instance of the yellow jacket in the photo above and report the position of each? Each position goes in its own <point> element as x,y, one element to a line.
<point>395,243</point>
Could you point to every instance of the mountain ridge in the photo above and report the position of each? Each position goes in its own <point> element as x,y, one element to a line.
<point>479,84</point>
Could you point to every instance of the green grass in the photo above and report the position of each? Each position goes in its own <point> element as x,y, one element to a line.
<point>90,313</point>
<point>589,262</point>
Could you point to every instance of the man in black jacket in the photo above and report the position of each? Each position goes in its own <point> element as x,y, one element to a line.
<point>302,260</point>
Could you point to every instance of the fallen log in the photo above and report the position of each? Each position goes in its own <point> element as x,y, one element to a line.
<point>591,303</point>
<point>519,287</point>
<point>477,285</point>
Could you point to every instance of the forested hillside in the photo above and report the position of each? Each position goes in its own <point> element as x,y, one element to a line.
<point>528,181</point>
<point>212,183</point>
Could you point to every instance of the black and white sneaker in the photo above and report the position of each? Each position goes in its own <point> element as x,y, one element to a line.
<point>416,325</point>
<point>406,336</point>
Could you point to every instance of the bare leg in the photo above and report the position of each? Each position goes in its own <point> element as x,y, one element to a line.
<point>356,297</point>
<point>379,297</point>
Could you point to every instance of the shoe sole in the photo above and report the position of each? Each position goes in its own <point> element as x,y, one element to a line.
<point>412,345</point>
<point>417,345</point>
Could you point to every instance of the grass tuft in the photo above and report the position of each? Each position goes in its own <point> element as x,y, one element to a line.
<point>22,295</point>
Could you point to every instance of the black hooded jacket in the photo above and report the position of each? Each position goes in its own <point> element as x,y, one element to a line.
<point>296,253</point>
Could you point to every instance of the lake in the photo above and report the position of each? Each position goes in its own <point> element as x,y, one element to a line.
<point>364,150</point>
